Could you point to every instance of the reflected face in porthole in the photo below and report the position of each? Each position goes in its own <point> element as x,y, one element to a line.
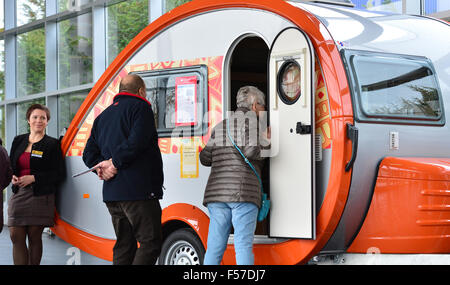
<point>289,82</point>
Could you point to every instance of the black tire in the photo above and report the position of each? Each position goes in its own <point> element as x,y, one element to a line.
<point>182,247</point>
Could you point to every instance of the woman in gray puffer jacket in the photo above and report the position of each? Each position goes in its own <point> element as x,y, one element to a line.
<point>233,192</point>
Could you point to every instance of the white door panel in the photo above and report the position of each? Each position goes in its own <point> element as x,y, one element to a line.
<point>292,214</point>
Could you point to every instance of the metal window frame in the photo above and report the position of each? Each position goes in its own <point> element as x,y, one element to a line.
<point>202,96</point>
<point>49,22</point>
<point>358,110</point>
<point>51,93</point>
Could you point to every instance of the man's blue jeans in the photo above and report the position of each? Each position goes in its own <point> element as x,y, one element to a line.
<point>243,218</point>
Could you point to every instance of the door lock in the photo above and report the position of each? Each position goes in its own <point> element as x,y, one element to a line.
<point>303,129</point>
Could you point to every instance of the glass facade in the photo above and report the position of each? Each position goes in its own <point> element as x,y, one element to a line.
<point>125,21</point>
<point>53,51</point>
<point>2,123</point>
<point>2,70</point>
<point>75,51</point>
<point>2,16</point>
<point>67,108</point>
<point>394,6</point>
<point>170,4</point>
<point>29,11</point>
<point>418,7</point>
<point>435,6</point>
<point>31,62</point>
<point>71,5</point>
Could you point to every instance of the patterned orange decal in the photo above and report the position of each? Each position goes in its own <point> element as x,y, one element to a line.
<point>322,112</point>
<point>167,145</point>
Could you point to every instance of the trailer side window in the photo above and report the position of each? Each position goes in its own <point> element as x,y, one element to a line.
<point>179,99</point>
<point>393,88</point>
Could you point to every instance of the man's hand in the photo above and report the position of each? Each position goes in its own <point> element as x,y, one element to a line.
<point>106,170</point>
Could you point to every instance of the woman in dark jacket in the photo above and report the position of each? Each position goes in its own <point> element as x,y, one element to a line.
<point>38,168</point>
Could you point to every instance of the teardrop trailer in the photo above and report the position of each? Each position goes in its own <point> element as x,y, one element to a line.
<point>357,103</point>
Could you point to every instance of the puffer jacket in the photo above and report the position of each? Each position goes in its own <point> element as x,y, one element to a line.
<point>231,178</point>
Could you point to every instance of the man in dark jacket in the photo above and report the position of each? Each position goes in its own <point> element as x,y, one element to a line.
<point>124,145</point>
<point>5,178</point>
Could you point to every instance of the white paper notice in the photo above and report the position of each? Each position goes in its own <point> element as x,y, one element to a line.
<point>185,101</point>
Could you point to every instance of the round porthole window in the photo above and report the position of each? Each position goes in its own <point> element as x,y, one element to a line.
<point>289,82</point>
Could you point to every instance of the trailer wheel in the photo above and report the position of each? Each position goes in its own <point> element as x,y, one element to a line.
<point>182,247</point>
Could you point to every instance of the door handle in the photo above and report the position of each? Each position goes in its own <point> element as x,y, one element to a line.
<point>352,134</point>
<point>303,129</point>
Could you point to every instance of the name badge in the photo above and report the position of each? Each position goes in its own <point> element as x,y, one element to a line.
<point>37,153</point>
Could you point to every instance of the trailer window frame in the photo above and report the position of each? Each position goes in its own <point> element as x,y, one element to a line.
<point>360,112</point>
<point>164,131</point>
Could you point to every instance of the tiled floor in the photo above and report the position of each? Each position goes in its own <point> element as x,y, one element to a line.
<point>58,252</point>
<point>55,252</point>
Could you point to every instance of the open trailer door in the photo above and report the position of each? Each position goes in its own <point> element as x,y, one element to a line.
<point>292,165</point>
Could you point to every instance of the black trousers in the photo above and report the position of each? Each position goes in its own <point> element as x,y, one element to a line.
<point>136,221</point>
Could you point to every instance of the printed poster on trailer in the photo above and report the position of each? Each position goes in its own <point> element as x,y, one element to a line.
<point>185,101</point>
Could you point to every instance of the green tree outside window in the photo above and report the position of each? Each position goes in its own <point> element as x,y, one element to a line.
<point>170,4</point>
<point>31,62</point>
<point>125,20</point>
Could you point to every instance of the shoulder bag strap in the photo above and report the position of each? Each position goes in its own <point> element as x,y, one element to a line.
<point>245,158</point>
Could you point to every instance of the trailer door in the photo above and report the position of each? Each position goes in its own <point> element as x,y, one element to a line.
<point>291,112</point>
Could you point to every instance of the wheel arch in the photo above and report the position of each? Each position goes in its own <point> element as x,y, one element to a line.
<point>181,215</point>
<point>172,226</point>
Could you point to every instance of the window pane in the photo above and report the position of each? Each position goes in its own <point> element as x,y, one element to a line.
<point>394,87</point>
<point>154,87</point>
<point>31,62</point>
<point>2,125</point>
<point>170,4</point>
<point>22,124</point>
<point>412,7</point>
<point>188,85</point>
<point>67,108</point>
<point>71,5</point>
<point>2,15</point>
<point>395,6</point>
<point>434,6</point>
<point>75,51</point>
<point>29,10</point>
<point>125,21</point>
<point>2,70</point>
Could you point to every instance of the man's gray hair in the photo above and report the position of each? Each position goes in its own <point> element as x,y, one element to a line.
<point>247,95</point>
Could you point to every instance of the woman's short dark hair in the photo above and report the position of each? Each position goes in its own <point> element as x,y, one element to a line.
<point>38,107</point>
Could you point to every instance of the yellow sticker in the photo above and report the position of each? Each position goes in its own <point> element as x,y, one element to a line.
<point>37,153</point>
<point>188,159</point>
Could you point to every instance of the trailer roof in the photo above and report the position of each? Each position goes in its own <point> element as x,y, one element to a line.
<point>381,31</point>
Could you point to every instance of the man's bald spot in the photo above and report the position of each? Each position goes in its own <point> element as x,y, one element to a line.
<point>131,83</point>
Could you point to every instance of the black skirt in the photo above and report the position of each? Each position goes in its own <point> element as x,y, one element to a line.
<point>25,209</point>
